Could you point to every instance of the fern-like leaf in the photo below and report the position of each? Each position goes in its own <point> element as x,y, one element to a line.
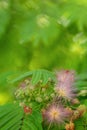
<point>37,75</point>
<point>81,82</point>
<point>12,117</point>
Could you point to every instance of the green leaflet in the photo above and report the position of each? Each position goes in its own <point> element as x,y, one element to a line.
<point>37,118</point>
<point>32,121</point>
<point>81,82</point>
<point>82,76</point>
<point>28,125</point>
<point>80,124</point>
<point>21,77</point>
<point>12,117</point>
<point>37,75</point>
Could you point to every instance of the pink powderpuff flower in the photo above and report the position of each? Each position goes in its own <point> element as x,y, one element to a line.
<point>66,76</point>
<point>55,114</point>
<point>64,86</point>
<point>66,91</point>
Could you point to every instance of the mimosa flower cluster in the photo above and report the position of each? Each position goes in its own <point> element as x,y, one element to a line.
<point>54,100</point>
<point>64,89</point>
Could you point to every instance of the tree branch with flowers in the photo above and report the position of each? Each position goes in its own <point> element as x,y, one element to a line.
<point>46,100</point>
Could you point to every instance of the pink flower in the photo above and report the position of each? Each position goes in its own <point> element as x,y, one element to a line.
<point>55,114</point>
<point>64,87</point>
<point>66,91</point>
<point>66,76</point>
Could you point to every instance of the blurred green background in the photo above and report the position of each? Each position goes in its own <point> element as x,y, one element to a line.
<point>49,34</point>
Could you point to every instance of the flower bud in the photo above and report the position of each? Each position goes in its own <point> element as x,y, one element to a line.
<point>27,110</point>
<point>75,101</point>
<point>82,109</point>
<point>38,99</point>
<point>70,126</point>
<point>43,89</point>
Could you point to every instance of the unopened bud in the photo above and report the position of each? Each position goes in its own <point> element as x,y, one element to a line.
<point>75,101</point>
<point>27,81</point>
<point>75,115</point>
<point>27,110</point>
<point>38,99</point>
<point>70,126</point>
<point>43,89</point>
<point>69,111</point>
<point>21,104</point>
<point>83,93</point>
<point>82,109</point>
<point>46,98</point>
<point>52,95</point>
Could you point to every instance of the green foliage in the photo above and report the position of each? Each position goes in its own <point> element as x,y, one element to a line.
<point>34,36</point>
<point>49,34</point>
<point>81,124</point>
<point>40,75</point>
<point>32,122</point>
<point>12,117</point>
<point>44,76</point>
<point>4,15</point>
<point>37,76</point>
<point>81,85</point>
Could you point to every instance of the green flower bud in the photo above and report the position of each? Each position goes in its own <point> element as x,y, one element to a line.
<point>38,99</point>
